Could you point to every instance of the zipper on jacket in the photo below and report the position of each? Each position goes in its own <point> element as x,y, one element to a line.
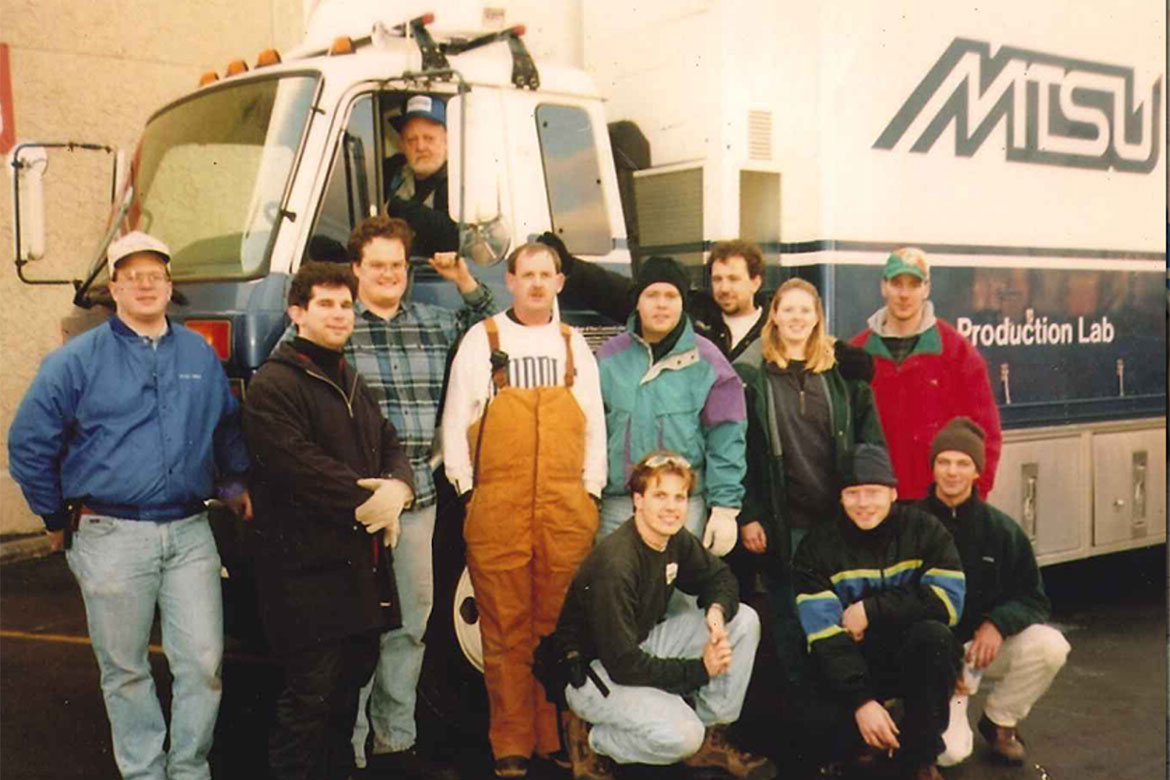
<point>829,403</point>
<point>335,386</point>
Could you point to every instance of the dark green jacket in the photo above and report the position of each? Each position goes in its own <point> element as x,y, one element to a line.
<point>854,421</point>
<point>1003,579</point>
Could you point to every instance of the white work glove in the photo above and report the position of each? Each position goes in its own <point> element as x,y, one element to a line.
<point>380,511</point>
<point>722,530</point>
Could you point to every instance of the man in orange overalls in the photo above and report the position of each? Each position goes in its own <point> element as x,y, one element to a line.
<point>524,445</point>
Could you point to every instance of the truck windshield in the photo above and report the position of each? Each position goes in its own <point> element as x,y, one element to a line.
<point>211,172</point>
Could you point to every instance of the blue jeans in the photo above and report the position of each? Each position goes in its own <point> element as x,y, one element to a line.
<point>616,510</point>
<point>125,568</point>
<point>644,725</point>
<point>391,692</point>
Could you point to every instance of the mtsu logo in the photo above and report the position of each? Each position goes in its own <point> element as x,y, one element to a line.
<point>1057,110</point>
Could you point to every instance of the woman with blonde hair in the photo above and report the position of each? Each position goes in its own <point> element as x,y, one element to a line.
<point>809,403</point>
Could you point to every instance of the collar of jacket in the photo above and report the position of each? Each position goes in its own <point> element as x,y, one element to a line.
<point>684,353</point>
<point>287,354</point>
<point>874,537</point>
<point>122,329</point>
<point>953,515</point>
<point>929,339</point>
<point>877,320</point>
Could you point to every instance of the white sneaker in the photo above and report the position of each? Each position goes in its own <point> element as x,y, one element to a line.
<point>958,738</point>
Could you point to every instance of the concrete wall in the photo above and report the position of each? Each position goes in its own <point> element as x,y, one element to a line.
<point>95,70</point>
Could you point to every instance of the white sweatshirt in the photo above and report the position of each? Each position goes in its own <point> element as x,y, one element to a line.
<point>536,358</point>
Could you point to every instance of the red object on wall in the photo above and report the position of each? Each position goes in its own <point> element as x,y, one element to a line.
<point>7,122</point>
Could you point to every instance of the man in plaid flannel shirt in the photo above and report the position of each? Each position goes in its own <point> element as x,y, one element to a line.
<point>400,349</point>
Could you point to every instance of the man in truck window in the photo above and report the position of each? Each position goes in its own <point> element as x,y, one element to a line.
<point>124,433</point>
<point>643,659</point>
<point>400,347</point>
<point>1002,627</point>
<point>331,481</point>
<point>524,445</point>
<point>416,177</point>
<point>925,373</point>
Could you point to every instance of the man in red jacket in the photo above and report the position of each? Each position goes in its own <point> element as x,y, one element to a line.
<point>925,373</point>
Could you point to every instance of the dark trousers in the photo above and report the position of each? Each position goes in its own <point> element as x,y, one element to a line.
<point>917,663</point>
<point>315,711</point>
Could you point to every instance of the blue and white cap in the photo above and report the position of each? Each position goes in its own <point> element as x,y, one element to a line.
<point>425,106</point>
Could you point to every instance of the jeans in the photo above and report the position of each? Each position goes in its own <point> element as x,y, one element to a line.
<point>645,725</point>
<point>125,568</point>
<point>616,510</point>
<point>392,690</point>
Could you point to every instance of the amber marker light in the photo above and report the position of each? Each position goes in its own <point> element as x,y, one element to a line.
<point>268,57</point>
<point>342,44</point>
<point>210,77</point>
<point>236,67</point>
<point>217,334</point>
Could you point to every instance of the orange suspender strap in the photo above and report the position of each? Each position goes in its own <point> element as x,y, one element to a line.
<point>499,375</point>
<point>567,332</point>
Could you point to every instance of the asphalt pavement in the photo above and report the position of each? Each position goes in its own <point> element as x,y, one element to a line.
<point>1105,716</point>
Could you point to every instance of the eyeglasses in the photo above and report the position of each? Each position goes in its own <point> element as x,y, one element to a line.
<point>657,461</point>
<point>143,277</point>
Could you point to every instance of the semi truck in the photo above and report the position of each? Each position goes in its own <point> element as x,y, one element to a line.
<point>1022,147</point>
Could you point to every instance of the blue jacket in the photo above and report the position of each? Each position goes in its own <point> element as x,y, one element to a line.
<point>125,425</point>
<point>691,401</point>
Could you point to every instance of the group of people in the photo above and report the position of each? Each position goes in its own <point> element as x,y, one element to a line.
<point>848,475</point>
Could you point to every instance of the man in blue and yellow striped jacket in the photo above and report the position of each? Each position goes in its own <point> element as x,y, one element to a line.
<point>877,590</point>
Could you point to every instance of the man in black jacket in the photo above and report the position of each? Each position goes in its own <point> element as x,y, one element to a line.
<point>1003,617</point>
<point>877,588</point>
<point>645,657</point>
<point>330,482</point>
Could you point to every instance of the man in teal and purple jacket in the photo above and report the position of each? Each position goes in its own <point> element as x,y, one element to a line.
<point>666,387</point>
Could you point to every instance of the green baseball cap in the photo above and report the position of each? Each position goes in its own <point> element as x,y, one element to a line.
<point>914,264</point>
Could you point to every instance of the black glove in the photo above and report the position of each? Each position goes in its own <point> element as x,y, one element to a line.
<point>554,242</point>
<point>853,362</point>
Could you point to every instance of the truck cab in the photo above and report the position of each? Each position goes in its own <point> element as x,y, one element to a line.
<point>263,168</point>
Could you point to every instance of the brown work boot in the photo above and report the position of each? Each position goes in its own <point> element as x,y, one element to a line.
<point>718,753</point>
<point>585,762</point>
<point>927,772</point>
<point>1004,740</point>
<point>512,766</point>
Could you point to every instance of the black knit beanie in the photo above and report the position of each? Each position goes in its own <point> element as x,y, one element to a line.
<point>661,269</point>
<point>867,464</point>
<point>961,434</point>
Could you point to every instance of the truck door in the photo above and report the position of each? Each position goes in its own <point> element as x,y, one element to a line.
<point>351,191</point>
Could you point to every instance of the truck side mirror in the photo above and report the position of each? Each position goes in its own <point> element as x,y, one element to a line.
<point>475,170</point>
<point>26,166</point>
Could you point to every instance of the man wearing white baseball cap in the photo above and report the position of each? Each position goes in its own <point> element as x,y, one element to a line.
<point>416,178</point>
<point>126,430</point>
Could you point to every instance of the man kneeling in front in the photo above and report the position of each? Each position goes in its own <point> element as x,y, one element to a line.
<point>643,658</point>
<point>1003,622</point>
